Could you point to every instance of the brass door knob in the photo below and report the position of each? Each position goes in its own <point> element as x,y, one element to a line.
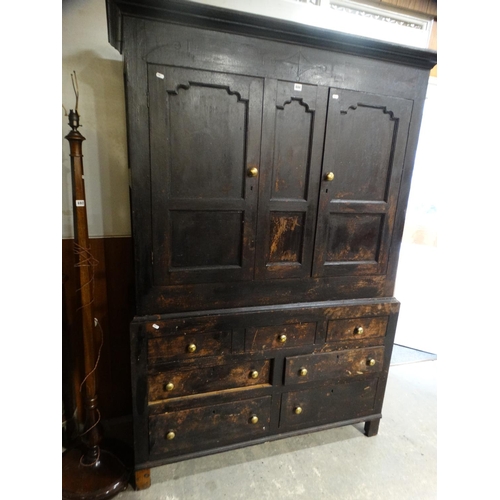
<point>358,330</point>
<point>254,419</point>
<point>303,372</point>
<point>170,435</point>
<point>169,386</point>
<point>191,348</point>
<point>282,338</point>
<point>252,172</point>
<point>329,176</point>
<point>254,374</point>
<point>371,362</point>
<point>297,410</point>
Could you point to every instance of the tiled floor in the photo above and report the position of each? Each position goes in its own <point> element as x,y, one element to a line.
<point>342,464</point>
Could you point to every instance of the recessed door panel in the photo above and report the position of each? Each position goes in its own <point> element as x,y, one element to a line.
<point>353,237</point>
<point>287,232</point>
<point>210,144</point>
<point>362,166</point>
<point>205,130</point>
<point>204,239</point>
<point>292,144</point>
<point>363,153</point>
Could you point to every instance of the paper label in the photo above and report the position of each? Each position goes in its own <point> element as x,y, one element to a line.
<point>335,96</point>
<point>160,75</point>
<point>80,203</point>
<point>155,326</point>
<point>298,87</point>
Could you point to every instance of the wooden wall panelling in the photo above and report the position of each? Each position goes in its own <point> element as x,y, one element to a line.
<point>120,306</point>
<point>70,367</point>
<point>72,341</point>
<point>424,6</point>
<point>114,309</point>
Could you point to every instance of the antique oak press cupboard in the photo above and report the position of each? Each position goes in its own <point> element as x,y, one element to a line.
<point>270,171</point>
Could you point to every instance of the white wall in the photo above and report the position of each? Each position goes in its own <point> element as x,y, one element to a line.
<point>419,263</point>
<point>99,69</point>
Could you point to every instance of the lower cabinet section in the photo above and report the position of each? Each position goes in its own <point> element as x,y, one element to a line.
<point>213,426</point>
<point>217,380</point>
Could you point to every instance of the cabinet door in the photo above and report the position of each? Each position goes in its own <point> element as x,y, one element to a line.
<point>293,132</point>
<point>205,130</point>
<point>364,152</point>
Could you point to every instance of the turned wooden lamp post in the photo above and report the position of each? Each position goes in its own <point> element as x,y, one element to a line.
<point>88,471</point>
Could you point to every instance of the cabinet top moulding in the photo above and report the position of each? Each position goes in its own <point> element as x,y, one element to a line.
<point>215,18</point>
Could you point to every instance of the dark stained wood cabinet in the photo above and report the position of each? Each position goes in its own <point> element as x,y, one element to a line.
<point>270,166</point>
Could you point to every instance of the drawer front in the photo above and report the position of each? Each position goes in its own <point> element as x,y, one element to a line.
<point>337,364</point>
<point>328,403</point>
<point>209,427</point>
<point>279,336</point>
<point>189,345</point>
<point>184,382</point>
<point>356,328</point>
<point>186,325</point>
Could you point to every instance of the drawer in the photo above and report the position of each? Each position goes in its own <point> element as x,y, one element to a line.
<point>184,382</point>
<point>328,403</point>
<point>189,345</point>
<point>356,328</point>
<point>209,427</point>
<point>337,364</point>
<point>278,336</point>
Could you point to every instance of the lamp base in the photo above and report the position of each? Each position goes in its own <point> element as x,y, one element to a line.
<point>105,479</point>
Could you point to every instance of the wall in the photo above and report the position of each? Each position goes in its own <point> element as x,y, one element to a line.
<point>99,69</point>
<point>419,265</point>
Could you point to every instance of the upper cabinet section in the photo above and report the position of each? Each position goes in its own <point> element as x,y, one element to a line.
<point>270,162</point>
<point>234,201</point>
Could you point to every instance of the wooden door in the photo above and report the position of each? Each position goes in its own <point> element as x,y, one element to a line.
<point>205,131</point>
<point>365,144</point>
<point>293,132</point>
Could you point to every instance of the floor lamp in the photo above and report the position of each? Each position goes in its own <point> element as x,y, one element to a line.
<point>88,471</point>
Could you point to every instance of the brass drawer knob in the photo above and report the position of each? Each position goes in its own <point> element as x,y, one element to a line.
<point>254,419</point>
<point>329,176</point>
<point>297,410</point>
<point>371,362</point>
<point>191,348</point>
<point>282,338</point>
<point>358,330</point>
<point>169,386</point>
<point>303,372</point>
<point>254,374</point>
<point>170,435</point>
<point>253,172</point>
